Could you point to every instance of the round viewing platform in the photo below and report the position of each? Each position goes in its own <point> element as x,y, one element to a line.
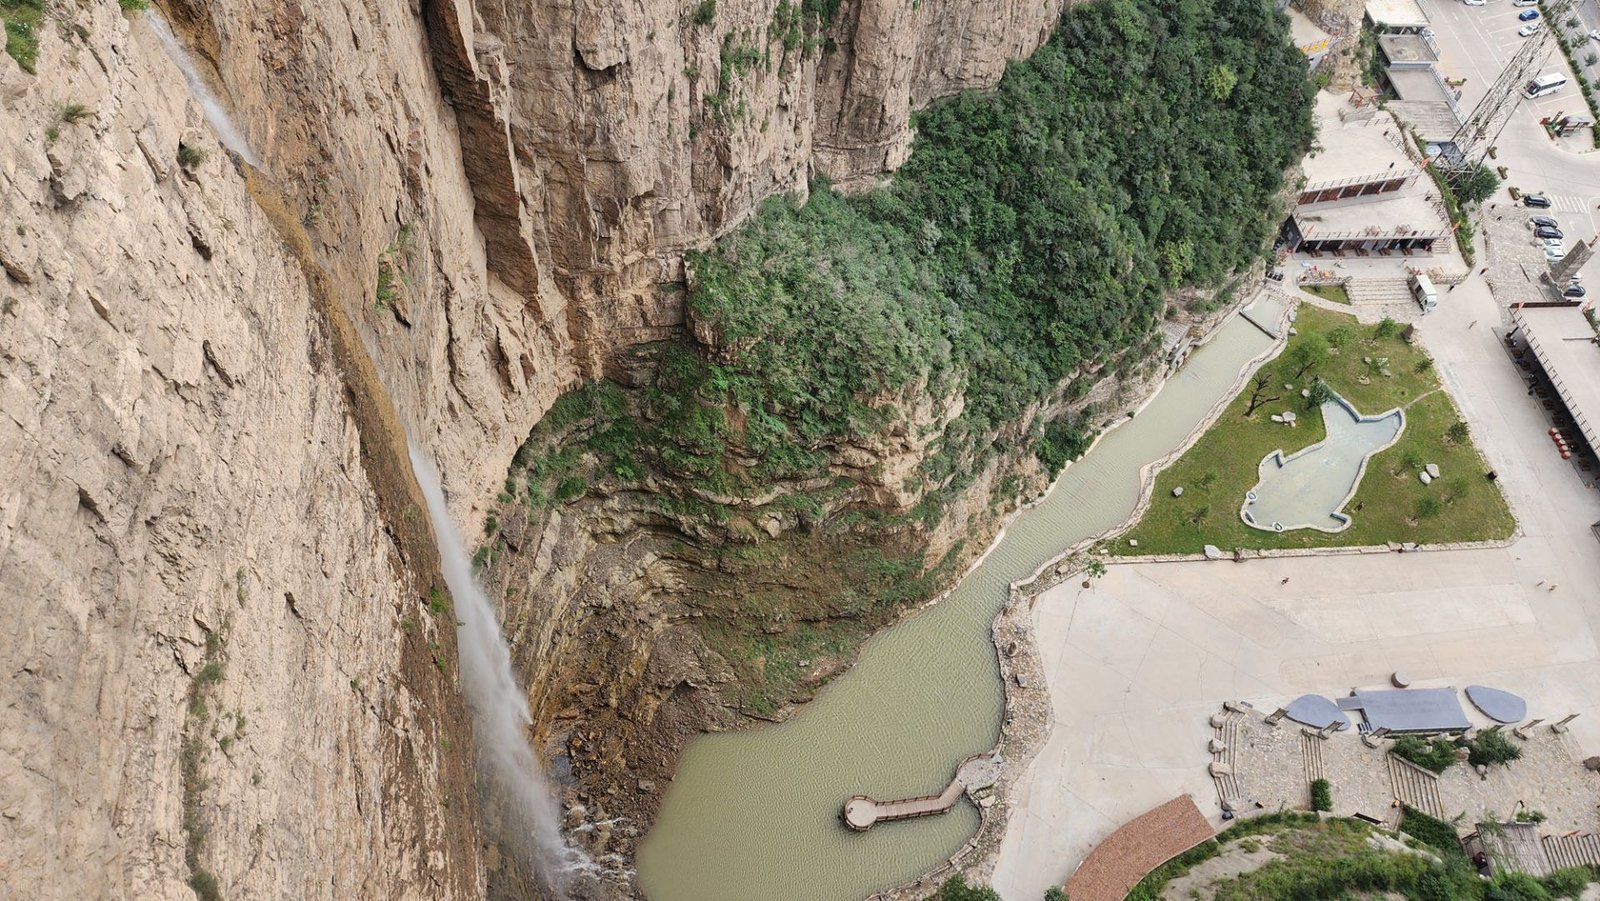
<point>860,812</point>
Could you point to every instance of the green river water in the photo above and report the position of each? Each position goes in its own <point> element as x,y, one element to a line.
<point>754,815</point>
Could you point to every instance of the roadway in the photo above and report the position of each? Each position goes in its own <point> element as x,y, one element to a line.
<point>1475,43</point>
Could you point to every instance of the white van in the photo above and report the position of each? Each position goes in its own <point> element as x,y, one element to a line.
<point>1548,83</point>
<point>1422,291</point>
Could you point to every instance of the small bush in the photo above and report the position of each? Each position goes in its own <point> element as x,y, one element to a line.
<point>73,113</point>
<point>1436,755</point>
<point>704,14</point>
<point>1516,887</point>
<point>1458,432</point>
<point>1433,832</point>
<point>1569,882</point>
<point>1428,508</point>
<point>1531,816</point>
<point>190,157</point>
<point>1321,795</point>
<point>133,6</point>
<point>1492,747</point>
<point>205,886</point>
<point>956,889</point>
<point>1388,328</point>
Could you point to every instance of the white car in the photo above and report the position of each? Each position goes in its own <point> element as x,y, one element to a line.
<point>1528,29</point>
<point>1474,2</point>
<point>1594,35</point>
<point>1554,254</point>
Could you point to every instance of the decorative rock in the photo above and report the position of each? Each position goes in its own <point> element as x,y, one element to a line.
<point>1424,477</point>
<point>1433,470</point>
<point>1218,720</point>
<point>1218,768</point>
<point>1133,542</point>
<point>1277,418</point>
<point>1216,746</point>
<point>1400,679</point>
<point>1592,764</point>
<point>1367,360</point>
<point>1288,387</point>
<point>1178,491</point>
<point>1290,417</point>
<point>1481,769</point>
<point>1305,392</point>
<point>1293,331</point>
<point>1213,552</point>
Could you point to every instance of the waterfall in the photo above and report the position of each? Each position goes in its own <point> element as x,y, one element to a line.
<point>210,106</point>
<point>515,788</point>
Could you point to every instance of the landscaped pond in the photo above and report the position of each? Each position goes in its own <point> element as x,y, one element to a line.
<point>1310,488</point>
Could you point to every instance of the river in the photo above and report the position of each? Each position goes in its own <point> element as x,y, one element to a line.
<point>755,814</point>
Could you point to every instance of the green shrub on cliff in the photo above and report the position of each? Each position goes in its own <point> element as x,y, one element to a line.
<point>1030,238</point>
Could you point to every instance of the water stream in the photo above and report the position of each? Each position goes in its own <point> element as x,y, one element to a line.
<point>210,107</point>
<point>516,799</point>
<point>755,814</point>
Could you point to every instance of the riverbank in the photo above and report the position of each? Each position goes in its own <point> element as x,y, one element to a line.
<point>1028,719</point>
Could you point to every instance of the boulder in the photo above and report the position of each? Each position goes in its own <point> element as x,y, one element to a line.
<point>1213,552</point>
<point>1133,542</point>
<point>1305,392</point>
<point>1277,418</point>
<point>1178,491</point>
<point>1433,470</point>
<point>1425,477</point>
<point>1289,417</point>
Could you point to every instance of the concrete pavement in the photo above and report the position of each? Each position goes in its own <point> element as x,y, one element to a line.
<point>1137,662</point>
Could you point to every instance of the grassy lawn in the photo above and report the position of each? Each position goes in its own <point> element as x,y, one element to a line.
<point>1335,293</point>
<point>1393,503</point>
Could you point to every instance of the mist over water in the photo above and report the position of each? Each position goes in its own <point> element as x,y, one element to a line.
<point>210,106</point>
<point>514,792</point>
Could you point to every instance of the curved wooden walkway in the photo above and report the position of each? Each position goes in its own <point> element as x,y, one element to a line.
<point>861,812</point>
<point>1140,845</point>
<point>975,773</point>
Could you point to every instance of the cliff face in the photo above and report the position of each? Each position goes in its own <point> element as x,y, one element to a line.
<point>225,665</point>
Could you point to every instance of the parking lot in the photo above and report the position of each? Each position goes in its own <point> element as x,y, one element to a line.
<point>1475,43</point>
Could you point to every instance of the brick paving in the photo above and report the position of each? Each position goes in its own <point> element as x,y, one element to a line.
<point>1139,846</point>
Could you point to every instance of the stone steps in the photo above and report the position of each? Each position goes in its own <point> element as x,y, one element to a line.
<point>1378,291</point>
<point>1572,850</point>
<point>1415,787</point>
<point>1311,757</point>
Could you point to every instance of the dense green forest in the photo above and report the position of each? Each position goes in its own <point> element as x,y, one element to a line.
<point>1034,230</point>
<point>1032,235</point>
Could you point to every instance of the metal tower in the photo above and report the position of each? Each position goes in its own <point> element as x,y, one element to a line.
<point>1482,128</point>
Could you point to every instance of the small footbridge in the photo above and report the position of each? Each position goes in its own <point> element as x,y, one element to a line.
<point>861,812</point>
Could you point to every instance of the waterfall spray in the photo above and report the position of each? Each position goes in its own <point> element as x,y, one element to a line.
<point>210,106</point>
<point>515,784</point>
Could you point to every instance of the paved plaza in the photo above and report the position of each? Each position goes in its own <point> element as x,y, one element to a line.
<point>1139,661</point>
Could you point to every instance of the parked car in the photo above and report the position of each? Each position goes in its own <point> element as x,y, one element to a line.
<point>1545,221</point>
<point>1554,244</point>
<point>1473,2</point>
<point>1576,292</point>
<point>1537,201</point>
<point>1545,231</point>
<point>1528,15</point>
<point>1594,34</point>
<point>1524,2</point>
<point>1555,254</point>
<point>1528,29</point>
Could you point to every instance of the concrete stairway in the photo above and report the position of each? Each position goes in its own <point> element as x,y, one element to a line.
<point>1415,787</point>
<point>1378,291</point>
<point>1311,756</point>
<point>1572,850</point>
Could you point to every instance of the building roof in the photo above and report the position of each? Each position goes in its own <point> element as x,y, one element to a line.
<point>1406,212</point>
<point>1396,13</point>
<point>1573,365</point>
<point>1140,845</point>
<point>1409,709</point>
<point>1416,84</point>
<point>1515,847</point>
<point>1354,152</point>
<point>1406,48</point>
<point>1307,35</point>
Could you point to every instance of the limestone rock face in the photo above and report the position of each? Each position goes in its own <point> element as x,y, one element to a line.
<point>463,208</point>
<point>184,486</point>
